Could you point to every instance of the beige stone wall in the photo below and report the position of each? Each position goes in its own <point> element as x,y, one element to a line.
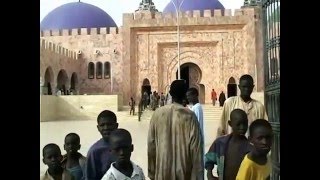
<point>58,58</point>
<point>222,47</point>
<point>48,107</point>
<point>77,107</point>
<point>108,42</point>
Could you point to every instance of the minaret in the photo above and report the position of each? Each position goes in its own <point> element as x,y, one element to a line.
<point>250,3</point>
<point>246,3</point>
<point>147,5</point>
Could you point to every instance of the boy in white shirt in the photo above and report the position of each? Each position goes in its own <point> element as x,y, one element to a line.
<point>121,148</point>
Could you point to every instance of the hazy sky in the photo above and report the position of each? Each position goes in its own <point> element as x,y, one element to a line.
<point>115,8</point>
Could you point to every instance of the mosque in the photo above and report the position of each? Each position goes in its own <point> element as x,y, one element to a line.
<point>83,50</point>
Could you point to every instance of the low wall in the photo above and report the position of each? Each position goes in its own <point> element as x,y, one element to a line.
<point>77,107</point>
<point>48,110</point>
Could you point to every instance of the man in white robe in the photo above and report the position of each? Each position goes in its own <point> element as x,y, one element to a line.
<point>253,108</point>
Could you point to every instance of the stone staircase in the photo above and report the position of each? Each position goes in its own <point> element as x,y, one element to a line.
<point>211,113</point>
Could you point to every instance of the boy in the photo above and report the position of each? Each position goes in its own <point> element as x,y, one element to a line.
<point>228,151</point>
<point>73,161</point>
<point>52,158</point>
<point>132,105</point>
<point>123,168</point>
<point>99,157</point>
<point>256,165</point>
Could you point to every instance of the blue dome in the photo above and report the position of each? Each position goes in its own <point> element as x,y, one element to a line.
<point>76,15</point>
<point>189,5</point>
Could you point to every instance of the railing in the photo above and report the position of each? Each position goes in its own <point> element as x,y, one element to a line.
<point>271,28</point>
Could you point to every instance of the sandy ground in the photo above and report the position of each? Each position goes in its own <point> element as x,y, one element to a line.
<point>54,132</point>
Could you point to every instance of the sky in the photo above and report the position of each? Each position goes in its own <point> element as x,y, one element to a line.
<point>115,8</point>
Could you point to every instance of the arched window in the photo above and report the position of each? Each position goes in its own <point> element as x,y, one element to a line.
<point>99,70</point>
<point>90,70</point>
<point>107,70</point>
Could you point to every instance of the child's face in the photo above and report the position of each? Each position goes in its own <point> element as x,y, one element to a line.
<point>71,144</point>
<point>52,158</point>
<point>106,126</point>
<point>239,124</point>
<point>121,148</point>
<point>262,140</point>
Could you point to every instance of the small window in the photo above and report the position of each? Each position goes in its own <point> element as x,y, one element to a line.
<point>107,70</point>
<point>99,70</point>
<point>90,70</point>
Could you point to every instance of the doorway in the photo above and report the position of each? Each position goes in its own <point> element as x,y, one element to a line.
<point>191,73</point>
<point>231,87</point>
<point>146,87</point>
<point>184,70</point>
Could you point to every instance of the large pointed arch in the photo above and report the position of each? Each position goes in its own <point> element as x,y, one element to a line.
<point>48,81</point>
<point>62,81</point>
<point>74,83</point>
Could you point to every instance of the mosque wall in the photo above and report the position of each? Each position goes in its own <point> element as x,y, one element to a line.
<point>222,45</point>
<point>55,58</point>
<point>94,45</point>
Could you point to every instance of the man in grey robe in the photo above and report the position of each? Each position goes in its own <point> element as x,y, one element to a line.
<point>175,140</point>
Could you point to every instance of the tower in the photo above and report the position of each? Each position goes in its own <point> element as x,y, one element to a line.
<point>147,5</point>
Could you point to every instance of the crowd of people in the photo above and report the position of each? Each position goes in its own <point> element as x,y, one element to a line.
<point>175,143</point>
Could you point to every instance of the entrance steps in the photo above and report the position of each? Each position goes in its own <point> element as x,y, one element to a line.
<point>211,113</point>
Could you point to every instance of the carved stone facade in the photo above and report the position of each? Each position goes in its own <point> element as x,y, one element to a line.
<point>215,47</point>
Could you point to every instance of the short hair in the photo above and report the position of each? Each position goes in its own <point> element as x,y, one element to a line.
<point>193,91</point>
<point>259,123</point>
<point>108,115</point>
<point>237,111</point>
<point>50,146</point>
<point>121,132</point>
<point>246,77</point>
<point>178,89</point>
<point>74,135</point>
